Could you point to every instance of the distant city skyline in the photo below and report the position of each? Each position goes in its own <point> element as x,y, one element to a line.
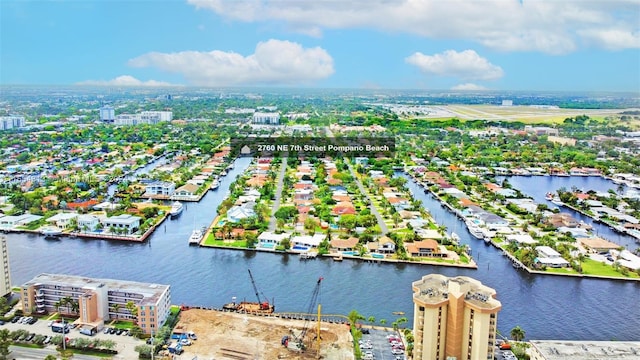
<point>540,45</point>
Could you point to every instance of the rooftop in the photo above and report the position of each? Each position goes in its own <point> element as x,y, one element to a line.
<point>574,350</point>
<point>150,292</point>
<point>436,288</point>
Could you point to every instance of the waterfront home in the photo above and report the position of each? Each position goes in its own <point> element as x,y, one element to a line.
<point>386,245</point>
<point>527,205</point>
<point>344,244</point>
<point>87,222</point>
<point>627,259</point>
<point>521,239</point>
<point>547,256</point>
<point>82,204</point>
<point>305,242</point>
<point>424,248</point>
<point>561,220</point>
<point>125,222</point>
<point>186,190</point>
<point>160,188</point>
<point>9,222</point>
<point>62,220</point>
<point>239,212</point>
<point>492,221</point>
<point>429,233</point>
<point>596,244</point>
<point>270,240</point>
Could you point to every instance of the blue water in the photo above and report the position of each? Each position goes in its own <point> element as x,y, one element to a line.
<point>267,245</point>
<point>546,307</point>
<point>349,253</point>
<point>298,247</point>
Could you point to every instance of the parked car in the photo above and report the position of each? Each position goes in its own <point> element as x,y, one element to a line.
<point>112,330</point>
<point>119,332</point>
<point>32,321</point>
<point>1,322</point>
<point>47,340</point>
<point>105,330</point>
<point>30,337</point>
<point>397,352</point>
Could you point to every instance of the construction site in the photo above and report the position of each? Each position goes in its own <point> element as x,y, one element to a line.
<point>231,335</point>
<point>251,330</point>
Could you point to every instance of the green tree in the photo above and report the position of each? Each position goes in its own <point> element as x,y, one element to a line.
<point>143,350</point>
<point>5,341</point>
<point>50,357</point>
<point>517,333</point>
<point>354,316</point>
<point>116,308</point>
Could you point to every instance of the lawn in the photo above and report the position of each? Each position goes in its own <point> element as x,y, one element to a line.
<point>592,267</point>
<point>212,241</point>
<point>122,324</point>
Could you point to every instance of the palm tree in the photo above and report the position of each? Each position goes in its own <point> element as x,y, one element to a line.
<point>133,309</point>
<point>383,321</point>
<point>517,333</point>
<point>58,305</point>
<point>75,307</point>
<point>68,301</point>
<point>115,308</point>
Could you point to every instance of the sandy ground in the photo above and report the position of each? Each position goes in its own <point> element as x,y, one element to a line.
<point>236,336</point>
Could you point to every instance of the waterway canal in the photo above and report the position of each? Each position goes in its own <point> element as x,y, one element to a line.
<point>546,307</point>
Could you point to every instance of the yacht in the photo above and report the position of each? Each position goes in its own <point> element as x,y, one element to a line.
<point>455,237</point>
<point>50,231</point>
<point>196,237</point>
<point>556,200</point>
<point>176,208</point>
<point>475,230</point>
<point>214,185</point>
<point>549,196</point>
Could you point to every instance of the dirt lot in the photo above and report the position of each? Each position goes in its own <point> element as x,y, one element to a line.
<point>238,336</point>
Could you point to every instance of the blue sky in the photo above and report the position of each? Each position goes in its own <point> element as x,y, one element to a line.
<point>583,45</point>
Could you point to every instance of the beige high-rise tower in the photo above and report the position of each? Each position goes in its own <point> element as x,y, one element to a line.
<point>454,318</point>
<point>5,275</point>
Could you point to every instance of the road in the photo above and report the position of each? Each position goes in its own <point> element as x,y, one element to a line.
<point>383,227</point>
<point>276,202</point>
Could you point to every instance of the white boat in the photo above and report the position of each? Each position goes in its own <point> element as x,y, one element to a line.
<point>475,230</point>
<point>556,200</point>
<point>549,196</point>
<point>223,173</point>
<point>214,185</point>
<point>196,237</point>
<point>50,231</point>
<point>455,237</point>
<point>308,255</point>
<point>176,208</point>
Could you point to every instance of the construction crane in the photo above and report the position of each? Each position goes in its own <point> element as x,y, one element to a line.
<point>264,305</point>
<point>299,340</point>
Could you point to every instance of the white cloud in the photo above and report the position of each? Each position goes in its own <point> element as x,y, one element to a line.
<point>466,64</point>
<point>549,26</point>
<point>612,39</point>
<point>125,80</point>
<point>468,87</point>
<point>273,62</point>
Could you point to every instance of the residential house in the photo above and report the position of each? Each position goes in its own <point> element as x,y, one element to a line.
<point>424,248</point>
<point>270,240</point>
<point>239,212</point>
<point>186,191</point>
<point>547,256</point>
<point>8,222</point>
<point>125,222</point>
<point>344,244</point>
<point>88,222</point>
<point>386,245</point>
<point>62,220</point>
<point>305,242</point>
<point>160,188</point>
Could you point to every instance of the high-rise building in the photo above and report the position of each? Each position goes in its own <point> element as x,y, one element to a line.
<point>145,117</point>
<point>5,273</point>
<point>266,118</point>
<point>454,318</point>
<point>11,122</point>
<point>107,113</point>
<point>98,300</point>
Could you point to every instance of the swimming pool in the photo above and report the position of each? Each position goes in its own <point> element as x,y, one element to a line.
<point>267,245</point>
<point>350,253</point>
<point>300,248</point>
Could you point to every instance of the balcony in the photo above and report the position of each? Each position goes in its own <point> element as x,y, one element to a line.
<point>40,306</point>
<point>40,301</point>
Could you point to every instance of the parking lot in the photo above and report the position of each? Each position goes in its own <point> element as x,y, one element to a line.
<point>125,344</point>
<point>378,343</point>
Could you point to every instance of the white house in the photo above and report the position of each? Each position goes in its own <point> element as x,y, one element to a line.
<point>62,220</point>
<point>266,118</point>
<point>186,190</point>
<point>9,222</point>
<point>549,257</point>
<point>239,212</point>
<point>88,222</point>
<point>160,188</point>
<point>127,222</point>
<point>304,242</point>
<point>269,240</point>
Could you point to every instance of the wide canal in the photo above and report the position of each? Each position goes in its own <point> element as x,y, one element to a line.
<point>547,307</point>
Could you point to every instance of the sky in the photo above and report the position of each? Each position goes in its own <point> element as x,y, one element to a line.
<point>520,45</point>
